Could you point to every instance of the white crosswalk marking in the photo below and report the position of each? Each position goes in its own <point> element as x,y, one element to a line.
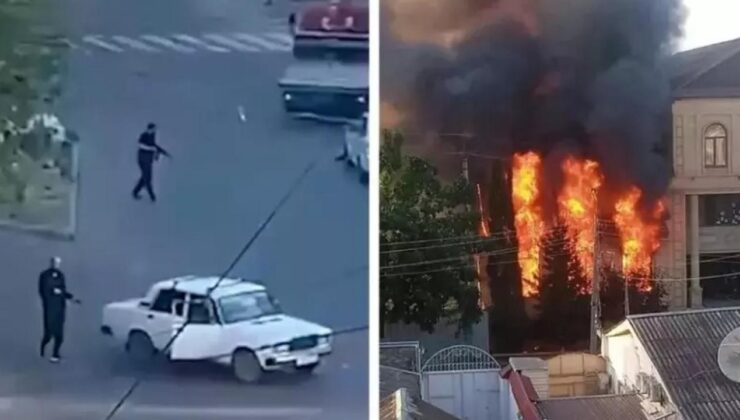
<point>220,39</point>
<point>197,42</point>
<point>252,39</point>
<point>284,38</point>
<point>167,43</point>
<point>95,40</point>
<point>133,43</point>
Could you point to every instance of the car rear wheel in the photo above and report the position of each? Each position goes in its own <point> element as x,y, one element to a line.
<point>246,367</point>
<point>140,347</point>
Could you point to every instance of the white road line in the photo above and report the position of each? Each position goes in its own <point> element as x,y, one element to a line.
<point>282,37</point>
<point>95,40</point>
<point>252,39</point>
<point>202,44</point>
<point>69,43</point>
<point>167,43</point>
<point>133,43</point>
<point>220,39</point>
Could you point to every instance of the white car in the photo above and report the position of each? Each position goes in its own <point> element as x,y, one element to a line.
<point>239,325</point>
<point>356,147</point>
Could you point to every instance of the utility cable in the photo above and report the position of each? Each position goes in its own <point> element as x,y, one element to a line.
<point>226,272</point>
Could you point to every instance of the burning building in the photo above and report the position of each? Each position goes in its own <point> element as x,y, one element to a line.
<point>573,94</point>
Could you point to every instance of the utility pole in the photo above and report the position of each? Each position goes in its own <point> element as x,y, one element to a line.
<point>595,291</point>
<point>626,295</point>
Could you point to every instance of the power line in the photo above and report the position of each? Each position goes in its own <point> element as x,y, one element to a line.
<point>210,291</point>
<point>459,257</point>
<point>501,233</point>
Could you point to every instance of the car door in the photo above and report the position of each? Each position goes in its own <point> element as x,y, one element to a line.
<point>201,338</point>
<point>162,315</point>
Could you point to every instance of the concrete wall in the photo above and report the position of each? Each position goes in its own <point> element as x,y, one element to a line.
<point>575,374</point>
<point>625,359</point>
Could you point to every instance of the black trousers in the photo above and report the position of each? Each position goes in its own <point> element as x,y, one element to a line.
<point>146,161</point>
<point>53,330</point>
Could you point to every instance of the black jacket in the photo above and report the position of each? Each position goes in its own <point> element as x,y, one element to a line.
<point>53,289</point>
<point>148,144</point>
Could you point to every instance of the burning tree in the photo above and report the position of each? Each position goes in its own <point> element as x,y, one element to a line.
<point>426,279</point>
<point>642,299</point>
<point>563,306</point>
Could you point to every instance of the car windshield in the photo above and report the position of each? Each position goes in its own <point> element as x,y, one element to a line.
<point>246,306</point>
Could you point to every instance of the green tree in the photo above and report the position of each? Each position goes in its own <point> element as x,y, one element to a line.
<point>427,279</point>
<point>641,300</point>
<point>507,320</point>
<point>563,307</point>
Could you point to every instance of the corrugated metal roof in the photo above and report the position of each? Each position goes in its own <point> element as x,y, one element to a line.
<point>683,347</point>
<point>598,407</point>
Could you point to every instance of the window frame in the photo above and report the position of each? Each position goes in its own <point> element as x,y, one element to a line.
<point>714,140</point>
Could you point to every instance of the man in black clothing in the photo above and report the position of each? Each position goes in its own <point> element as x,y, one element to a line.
<point>148,152</point>
<point>54,296</point>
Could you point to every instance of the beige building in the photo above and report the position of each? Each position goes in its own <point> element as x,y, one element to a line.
<point>704,198</point>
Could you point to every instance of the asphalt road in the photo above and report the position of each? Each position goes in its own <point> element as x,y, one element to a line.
<point>225,178</point>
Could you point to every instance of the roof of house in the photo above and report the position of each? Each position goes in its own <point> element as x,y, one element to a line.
<point>683,347</point>
<point>596,407</point>
<point>391,379</point>
<point>706,72</point>
<point>524,393</point>
<point>413,407</point>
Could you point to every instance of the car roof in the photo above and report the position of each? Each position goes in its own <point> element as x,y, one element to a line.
<point>327,74</point>
<point>201,285</point>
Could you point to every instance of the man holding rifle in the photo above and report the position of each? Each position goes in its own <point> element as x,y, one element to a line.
<point>149,152</point>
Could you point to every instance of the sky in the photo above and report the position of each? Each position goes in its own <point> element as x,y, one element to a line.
<point>710,21</point>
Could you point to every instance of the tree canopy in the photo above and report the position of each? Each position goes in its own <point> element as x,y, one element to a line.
<point>426,229</point>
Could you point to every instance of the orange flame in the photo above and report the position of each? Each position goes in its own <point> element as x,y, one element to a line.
<point>527,217</point>
<point>577,208</point>
<point>640,238</point>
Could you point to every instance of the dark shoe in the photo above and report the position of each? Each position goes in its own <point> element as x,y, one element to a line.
<point>136,196</point>
<point>43,351</point>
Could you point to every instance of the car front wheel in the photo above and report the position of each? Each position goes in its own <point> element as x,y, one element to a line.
<point>246,367</point>
<point>140,347</point>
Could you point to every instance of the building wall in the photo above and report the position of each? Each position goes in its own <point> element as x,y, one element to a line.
<point>625,359</point>
<point>690,119</point>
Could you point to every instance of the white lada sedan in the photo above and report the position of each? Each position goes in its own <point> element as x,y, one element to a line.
<point>239,325</point>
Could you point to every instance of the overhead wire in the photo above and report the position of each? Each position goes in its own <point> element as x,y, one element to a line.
<point>137,382</point>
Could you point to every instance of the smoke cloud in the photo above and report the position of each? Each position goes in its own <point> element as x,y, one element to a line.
<point>546,75</point>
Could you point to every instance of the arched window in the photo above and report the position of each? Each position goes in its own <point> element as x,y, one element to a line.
<point>715,146</point>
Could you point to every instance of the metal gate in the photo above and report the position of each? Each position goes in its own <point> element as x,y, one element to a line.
<point>463,381</point>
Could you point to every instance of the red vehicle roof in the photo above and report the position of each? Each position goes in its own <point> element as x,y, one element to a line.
<point>310,20</point>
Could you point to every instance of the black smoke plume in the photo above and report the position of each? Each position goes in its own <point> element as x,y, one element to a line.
<point>586,78</point>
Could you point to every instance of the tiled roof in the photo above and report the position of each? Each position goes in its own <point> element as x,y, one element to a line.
<point>683,347</point>
<point>709,71</point>
<point>524,393</point>
<point>598,407</point>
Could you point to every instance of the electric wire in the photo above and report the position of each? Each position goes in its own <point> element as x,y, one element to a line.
<point>137,382</point>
